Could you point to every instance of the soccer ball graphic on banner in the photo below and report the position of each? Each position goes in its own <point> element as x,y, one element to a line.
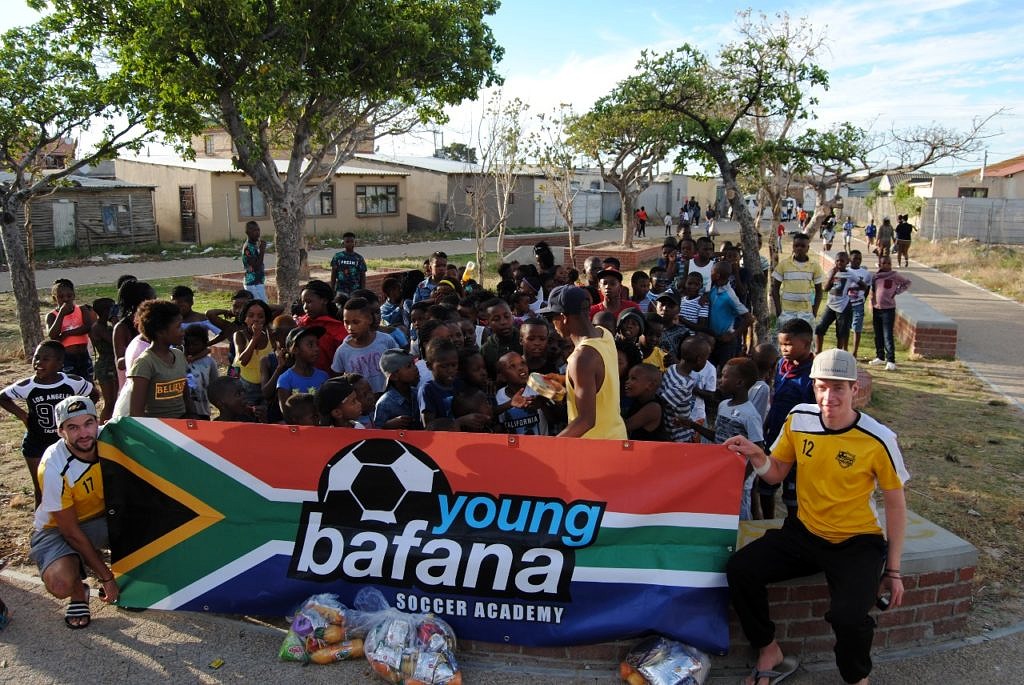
<point>384,481</point>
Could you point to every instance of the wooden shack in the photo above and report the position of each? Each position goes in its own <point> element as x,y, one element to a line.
<point>92,213</point>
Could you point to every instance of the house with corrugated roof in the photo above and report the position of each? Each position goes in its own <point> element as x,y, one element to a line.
<point>209,200</point>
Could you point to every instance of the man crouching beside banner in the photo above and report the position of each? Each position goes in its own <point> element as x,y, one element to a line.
<point>70,521</point>
<point>841,454</point>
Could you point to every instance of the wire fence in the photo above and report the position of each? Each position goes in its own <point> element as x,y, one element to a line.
<point>987,220</point>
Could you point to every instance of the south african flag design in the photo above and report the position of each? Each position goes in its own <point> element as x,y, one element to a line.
<point>206,516</point>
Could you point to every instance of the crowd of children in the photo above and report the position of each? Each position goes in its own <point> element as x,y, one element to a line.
<point>434,350</point>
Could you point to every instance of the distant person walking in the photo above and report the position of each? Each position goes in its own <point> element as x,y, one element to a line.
<point>904,233</point>
<point>885,235</point>
<point>641,222</point>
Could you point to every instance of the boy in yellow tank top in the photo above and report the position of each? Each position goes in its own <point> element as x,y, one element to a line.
<point>592,374</point>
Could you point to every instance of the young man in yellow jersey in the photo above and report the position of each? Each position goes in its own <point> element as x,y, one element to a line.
<point>842,455</point>
<point>70,521</point>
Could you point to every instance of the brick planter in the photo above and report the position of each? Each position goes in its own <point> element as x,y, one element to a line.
<point>629,260</point>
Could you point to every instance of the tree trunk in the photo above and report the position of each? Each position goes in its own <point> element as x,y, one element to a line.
<point>481,253</point>
<point>626,200</point>
<point>572,237</point>
<point>751,254</point>
<point>501,237</point>
<point>23,280</point>
<point>289,215</point>
<point>821,210</point>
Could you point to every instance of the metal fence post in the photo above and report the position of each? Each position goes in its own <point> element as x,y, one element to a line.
<point>960,219</point>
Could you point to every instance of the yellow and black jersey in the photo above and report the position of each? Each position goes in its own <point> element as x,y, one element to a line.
<point>67,481</point>
<point>838,471</point>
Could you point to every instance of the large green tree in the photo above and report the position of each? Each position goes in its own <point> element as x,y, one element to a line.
<point>314,77</point>
<point>50,90</point>
<point>712,101</point>
<point>627,141</point>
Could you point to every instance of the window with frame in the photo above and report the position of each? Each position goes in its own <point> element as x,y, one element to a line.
<point>321,204</point>
<point>972,192</point>
<point>250,202</point>
<point>209,145</point>
<point>595,185</point>
<point>375,200</point>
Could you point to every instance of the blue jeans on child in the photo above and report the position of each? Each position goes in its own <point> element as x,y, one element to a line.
<point>884,320</point>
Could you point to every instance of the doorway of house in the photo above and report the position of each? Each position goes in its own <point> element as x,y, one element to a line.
<point>187,209</point>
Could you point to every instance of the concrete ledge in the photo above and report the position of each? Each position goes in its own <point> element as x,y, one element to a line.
<point>938,570</point>
<point>923,330</point>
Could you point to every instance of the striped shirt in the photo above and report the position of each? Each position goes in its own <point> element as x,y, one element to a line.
<point>692,310</point>
<point>676,393</point>
<point>797,281</point>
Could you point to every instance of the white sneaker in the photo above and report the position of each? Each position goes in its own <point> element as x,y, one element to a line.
<point>876,361</point>
<point>889,366</point>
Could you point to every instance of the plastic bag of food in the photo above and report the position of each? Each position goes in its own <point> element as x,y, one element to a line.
<point>658,661</point>
<point>411,649</point>
<point>323,631</point>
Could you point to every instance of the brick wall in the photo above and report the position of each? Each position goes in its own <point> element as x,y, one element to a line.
<point>936,608</point>
<point>924,339</point>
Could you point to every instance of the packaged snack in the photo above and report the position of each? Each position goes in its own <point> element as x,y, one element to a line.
<point>551,386</point>
<point>411,649</point>
<point>323,631</point>
<point>659,661</point>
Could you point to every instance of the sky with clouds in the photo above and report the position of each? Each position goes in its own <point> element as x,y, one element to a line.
<point>899,63</point>
<point>892,63</point>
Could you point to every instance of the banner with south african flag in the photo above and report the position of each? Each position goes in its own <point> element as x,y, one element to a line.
<point>512,539</point>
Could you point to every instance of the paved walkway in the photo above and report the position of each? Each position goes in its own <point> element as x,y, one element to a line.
<point>990,327</point>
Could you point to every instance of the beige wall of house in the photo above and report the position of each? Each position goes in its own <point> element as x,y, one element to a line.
<point>999,187</point>
<point>219,197</point>
<point>426,192</point>
<point>167,181</point>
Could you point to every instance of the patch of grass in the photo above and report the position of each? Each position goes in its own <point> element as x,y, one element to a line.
<point>10,334</point>
<point>993,267</point>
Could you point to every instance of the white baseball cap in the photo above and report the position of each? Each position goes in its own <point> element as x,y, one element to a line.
<point>834,364</point>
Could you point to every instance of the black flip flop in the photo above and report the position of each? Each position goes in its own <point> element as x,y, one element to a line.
<point>77,609</point>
